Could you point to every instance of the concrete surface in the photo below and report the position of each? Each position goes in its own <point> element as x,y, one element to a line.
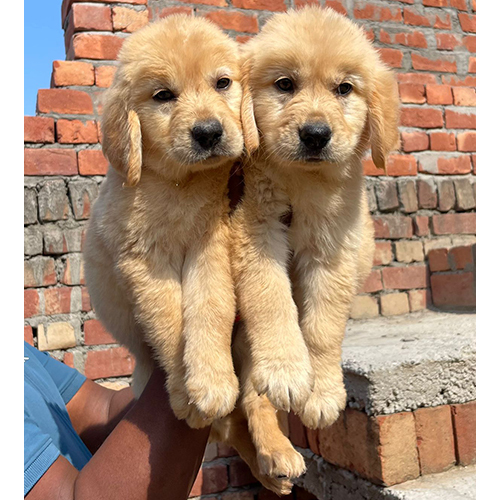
<point>402,363</point>
<point>328,482</point>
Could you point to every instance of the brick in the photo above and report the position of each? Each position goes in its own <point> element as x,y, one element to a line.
<point>456,81</point>
<point>216,3</point>
<point>60,335</point>
<point>436,3</point>
<point>467,22</point>
<point>297,431</point>
<point>439,94</point>
<point>408,195</point>
<point>405,278</point>
<point>383,253</point>
<point>439,242</point>
<point>446,195</point>
<point>442,22</point>
<point>464,223</point>
<point>104,76</point>
<point>473,159</point>
<point>443,141</point>
<point>412,17</point>
<point>76,132</point>
<point>86,304</point>
<point>451,291</point>
<point>210,479</point>
<point>387,195</point>
<point>421,224</point>
<point>472,65</point>
<point>434,439</point>
<point>464,426</point>
<point>90,18</point>
<point>31,303</point>
<point>419,300</point>
<point>455,119</point>
<point>470,43</point>
<point>52,201</point>
<point>39,271</point>
<point>401,165</point>
<point>427,193</point>
<point>210,451</point>
<point>464,96</point>
<point>434,163</point>
<point>421,63</point>
<point>421,117</point>
<point>392,227</point>
<point>66,73</point>
<point>415,38</point>
<point>58,241</point>
<point>95,333</point>
<point>28,334</point>
<point>73,270</point>
<point>272,5</point>
<point>129,20</point>
<point>30,206</point>
<point>363,307</point>
<point>82,193</point>
<point>239,495</point>
<point>438,259</point>
<point>424,78</point>
<point>337,6</point>
<point>466,199</point>
<point>236,21</point>
<point>394,304</point>
<point>169,11</point>
<point>65,101</point>
<point>114,362</point>
<point>50,162</point>
<point>377,13</point>
<point>414,141</point>
<point>373,283</point>
<point>62,300</point>
<point>461,258</point>
<point>93,46</point>
<point>92,162</point>
<point>412,93</point>
<point>33,240</point>
<point>459,4</point>
<point>240,474</point>
<point>409,251</point>
<point>38,129</point>
<point>466,141</point>
<point>372,199</point>
<point>224,451</point>
<point>391,57</point>
<point>447,41</point>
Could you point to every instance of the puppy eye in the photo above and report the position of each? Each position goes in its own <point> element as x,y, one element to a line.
<point>223,83</point>
<point>284,84</point>
<point>163,95</point>
<point>344,89</point>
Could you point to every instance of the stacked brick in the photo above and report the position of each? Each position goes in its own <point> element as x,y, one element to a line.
<point>423,206</point>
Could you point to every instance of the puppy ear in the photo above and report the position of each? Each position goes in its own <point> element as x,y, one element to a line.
<point>384,117</point>
<point>250,131</point>
<point>122,138</point>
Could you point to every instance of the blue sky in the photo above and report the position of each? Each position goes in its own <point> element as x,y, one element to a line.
<point>43,43</point>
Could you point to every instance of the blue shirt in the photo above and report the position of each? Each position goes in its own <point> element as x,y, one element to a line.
<point>48,387</point>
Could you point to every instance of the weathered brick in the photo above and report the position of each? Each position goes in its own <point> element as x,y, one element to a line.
<point>466,141</point>
<point>65,101</point>
<point>39,271</point>
<point>392,226</point>
<point>472,65</point>
<point>83,17</point>
<point>210,479</point>
<point>372,199</point>
<point>62,300</point>
<point>464,426</point>
<point>38,129</point>
<point>383,253</point>
<point>447,41</point>
<point>30,206</point>
<point>443,141</point>
<point>439,94</point>
<point>76,132</point>
<point>373,283</point>
<point>446,194</point>
<point>50,162</point>
<point>52,201</point>
<point>409,251</point>
<point>437,163</point>
<point>464,96</point>
<point>419,299</point>
<point>408,195</point>
<point>464,223</point>
<point>421,225</point>
<point>466,198</point>
<point>114,362</point>
<point>405,278</point>
<point>470,43</point>
<point>455,119</point>
<point>391,57</point>
<point>425,78</point>
<point>438,259</point>
<point>66,73</point>
<point>467,22</point>
<point>461,258</point>
<point>440,242</point>
<point>93,46</point>
<point>31,303</point>
<point>414,141</point>
<point>33,240</point>
<point>73,270</point>
<point>92,162</point>
<point>363,307</point>
<point>104,75</point>
<point>377,12</point>
<point>451,291</point>
<point>421,117</point>
<point>240,474</point>
<point>443,64</point>
<point>95,333</point>
<point>413,38</point>
<point>427,193</point>
<point>394,304</point>
<point>272,5</point>
<point>297,431</point>
<point>236,21</point>
<point>387,195</point>
<point>28,334</point>
<point>129,20</point>
<point>82,194</point>
<point>60,335</point>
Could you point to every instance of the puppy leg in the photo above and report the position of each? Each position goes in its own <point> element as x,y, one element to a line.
<point>209,308</point>
<point>280,361</point>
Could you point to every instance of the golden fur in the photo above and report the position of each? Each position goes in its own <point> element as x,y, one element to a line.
<point>157,248</point>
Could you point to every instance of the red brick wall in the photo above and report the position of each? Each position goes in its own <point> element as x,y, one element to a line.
<point>425,201</point>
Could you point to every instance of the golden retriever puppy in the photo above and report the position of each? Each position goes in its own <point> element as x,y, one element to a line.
<point>157,247</point>
<point>317,97</point>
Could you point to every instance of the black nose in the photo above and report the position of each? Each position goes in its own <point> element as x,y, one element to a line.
<point>208,133</point>
<point>315,136</point>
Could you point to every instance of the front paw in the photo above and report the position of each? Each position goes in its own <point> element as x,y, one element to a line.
<point>323,407</point>
<point>279,463</point>
<point>213,394</point>
<point>183,410</point>
<point>287,383</point>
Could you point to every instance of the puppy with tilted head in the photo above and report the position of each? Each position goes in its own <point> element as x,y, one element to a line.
<point>316,97</point>
<point>157,247</point>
